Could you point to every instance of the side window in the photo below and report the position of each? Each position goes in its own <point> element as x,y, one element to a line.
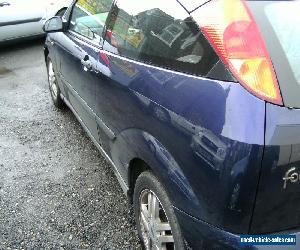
<point>88,18</point>
<point>160,33</point>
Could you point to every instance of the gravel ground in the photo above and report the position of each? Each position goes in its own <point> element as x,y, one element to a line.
<point>56,191</point>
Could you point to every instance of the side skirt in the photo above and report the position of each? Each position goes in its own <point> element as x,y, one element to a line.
<point>104,154</point>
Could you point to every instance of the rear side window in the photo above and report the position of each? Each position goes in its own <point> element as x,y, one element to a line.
<point>160,33</point>
<point>88,18</point>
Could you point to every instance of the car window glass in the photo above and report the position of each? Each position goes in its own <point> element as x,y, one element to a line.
<point>287,33</point>
<point>88,18</point>
<point>158,32</point>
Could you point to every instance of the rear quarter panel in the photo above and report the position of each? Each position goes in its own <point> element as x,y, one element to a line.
<point>164,116</point>
<point>278,201</point>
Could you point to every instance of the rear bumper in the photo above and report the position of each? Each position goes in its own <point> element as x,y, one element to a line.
<point>201,235</point>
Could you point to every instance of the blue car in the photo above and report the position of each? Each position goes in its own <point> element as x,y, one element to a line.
<point>195,104</point>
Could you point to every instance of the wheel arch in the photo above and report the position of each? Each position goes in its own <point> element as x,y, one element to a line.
<point>136,167</point>
<point>140,151</point>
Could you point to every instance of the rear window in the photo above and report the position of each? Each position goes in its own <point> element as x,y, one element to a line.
<point>279,23</point>
<point>287,30</point>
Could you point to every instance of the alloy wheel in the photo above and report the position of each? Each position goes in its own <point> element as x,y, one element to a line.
<point>52,81</point>
<point>155,226</point>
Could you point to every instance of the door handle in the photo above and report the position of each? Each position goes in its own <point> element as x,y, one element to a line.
<point>87,64</point>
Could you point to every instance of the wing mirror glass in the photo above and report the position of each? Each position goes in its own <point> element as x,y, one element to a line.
<point>54,24</point>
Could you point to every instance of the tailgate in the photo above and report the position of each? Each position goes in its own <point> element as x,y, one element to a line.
<point>278,199</point>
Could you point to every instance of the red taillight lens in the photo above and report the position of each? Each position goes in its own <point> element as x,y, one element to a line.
<point>232,31</point>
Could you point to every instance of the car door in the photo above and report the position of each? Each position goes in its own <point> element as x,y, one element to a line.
<point>19,18</point>
<point>78,54</point>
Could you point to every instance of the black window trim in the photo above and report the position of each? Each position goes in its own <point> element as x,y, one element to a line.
<point>84,39</point>
<point>153,66</point>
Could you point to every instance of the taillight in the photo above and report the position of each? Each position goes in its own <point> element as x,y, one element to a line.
<point>233,32</point>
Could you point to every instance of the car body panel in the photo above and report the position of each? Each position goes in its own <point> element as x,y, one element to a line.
<point>21,19</point>
<point>16,22</point>
<point>201,235</point>
<point>281,160</point>
<point>80,88</point>
<point>155,104</point>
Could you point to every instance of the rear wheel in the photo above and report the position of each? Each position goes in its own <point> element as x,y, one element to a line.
<point>155,218</point>
<point>53,86</point>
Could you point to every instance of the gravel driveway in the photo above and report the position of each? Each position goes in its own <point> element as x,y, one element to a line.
<point>56,191</point>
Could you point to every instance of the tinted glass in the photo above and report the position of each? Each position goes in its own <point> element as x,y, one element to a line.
<point>89,16</point>
<point>160,33</point>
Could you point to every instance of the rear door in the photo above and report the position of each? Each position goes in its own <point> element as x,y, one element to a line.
<point>78,54</point>
<point>19,18</point>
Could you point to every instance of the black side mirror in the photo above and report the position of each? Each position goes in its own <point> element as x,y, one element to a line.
<point>53,24</point>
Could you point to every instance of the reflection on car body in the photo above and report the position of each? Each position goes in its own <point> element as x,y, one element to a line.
<point>24,19</point>
<point>169,34</point>
<point>210,148</point>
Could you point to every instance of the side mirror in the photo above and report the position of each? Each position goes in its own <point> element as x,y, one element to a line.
<point>53,24</point>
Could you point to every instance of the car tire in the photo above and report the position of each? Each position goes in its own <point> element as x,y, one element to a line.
<point>53,85</point>
<point>149,192</point>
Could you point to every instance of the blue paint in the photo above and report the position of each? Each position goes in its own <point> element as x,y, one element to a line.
<point>219,151</point>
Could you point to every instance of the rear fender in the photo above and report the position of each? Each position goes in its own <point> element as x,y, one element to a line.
<point>135,143</point>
